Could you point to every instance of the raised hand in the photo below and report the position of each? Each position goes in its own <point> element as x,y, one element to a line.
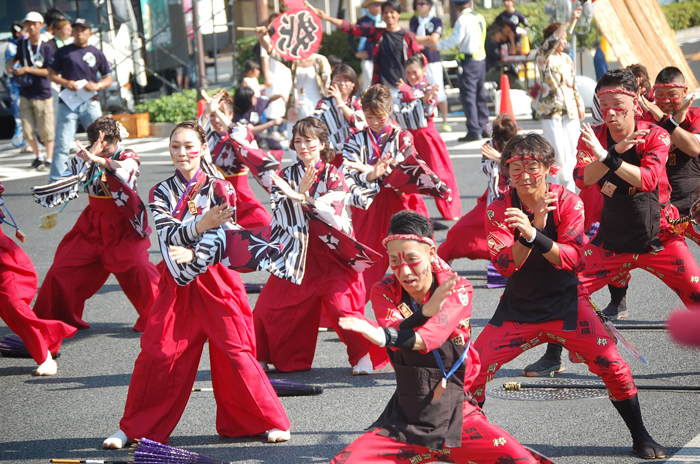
<point>546,204</point>
<point>489,152</point>
<point>631,140</point>
<point>379,169</point>
<point>679,115</point>
<point>592,142</point>
<point>434,305</point>
<point>308,180</point>
<point>285,188</point>
<point>516,219</point>
<point>215,217</point>
<point>651,107</point>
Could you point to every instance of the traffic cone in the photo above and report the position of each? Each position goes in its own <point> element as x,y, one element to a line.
<point>506,104</point>
<point>201,105</point>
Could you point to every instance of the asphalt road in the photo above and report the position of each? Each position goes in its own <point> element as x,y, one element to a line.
<point>68,415</point>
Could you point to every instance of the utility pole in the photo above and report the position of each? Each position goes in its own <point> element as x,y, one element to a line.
<point>199,48</point>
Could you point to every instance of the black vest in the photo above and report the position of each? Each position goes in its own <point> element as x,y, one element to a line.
<point>412,415</point>
<point>684,176</point>
<point>631,219</point>
<point>538,291</point>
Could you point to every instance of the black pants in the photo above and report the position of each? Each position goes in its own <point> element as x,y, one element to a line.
<point>471,92</point>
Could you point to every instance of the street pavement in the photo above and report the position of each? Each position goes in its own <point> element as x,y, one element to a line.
<point>68,415</point>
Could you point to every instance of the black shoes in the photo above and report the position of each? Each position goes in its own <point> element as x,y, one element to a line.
<point>548,365</point>
<point>617,308</point>
<point>642,444</point>
<point>35,164</point>
<point>470,138</point>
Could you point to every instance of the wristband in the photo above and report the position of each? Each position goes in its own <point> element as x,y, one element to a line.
<point>382,335</point>
<point>542,243</point>
<point>612,161</point>
<point>402,339</point>
<point>669,124</point>
<point>528,243</point>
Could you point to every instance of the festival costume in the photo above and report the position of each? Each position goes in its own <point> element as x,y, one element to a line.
<point>416,116</point>
<point>213,306</point>
<point>339,128</point>
<point>530,314</point>
<point>415,426</point>
<point>231,154</point>
<point>18,283</point>
<point>287,314</point>
<point>375,201</point>
<point>634,229</point>
<point>109,237</point>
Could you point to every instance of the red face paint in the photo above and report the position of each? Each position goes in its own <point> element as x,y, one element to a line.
<point>612,112</point>
<point>403,261</point>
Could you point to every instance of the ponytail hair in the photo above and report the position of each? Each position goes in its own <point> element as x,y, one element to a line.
<point>314,128</point>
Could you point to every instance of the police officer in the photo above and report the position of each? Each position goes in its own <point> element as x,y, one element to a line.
<point>469,35</point>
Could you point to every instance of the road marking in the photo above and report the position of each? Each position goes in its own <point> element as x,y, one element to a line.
<point>690,453</point>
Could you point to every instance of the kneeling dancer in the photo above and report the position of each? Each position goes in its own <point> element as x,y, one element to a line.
<point>191,210</point>
<point>535,233</point>
<point>423,311</point>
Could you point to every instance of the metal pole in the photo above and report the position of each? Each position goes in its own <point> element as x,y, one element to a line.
<point>232,38</point>
<point>199,49</point>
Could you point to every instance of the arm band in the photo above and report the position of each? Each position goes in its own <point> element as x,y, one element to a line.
<point>669,124</point>
<point>613,160</point>
<point>402,339</point>
<point>542,243</point>
<point>416,319</point>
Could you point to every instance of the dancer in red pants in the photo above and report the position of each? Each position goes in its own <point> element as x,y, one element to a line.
<point>225,140</point>
<point>467,238</point>
<point>18,284</point>
<point>536,231</point>
<point>191,211</point>
<point>287,313</point>
<point>416,113</point>
<point>110,236</point>
<point>369,155</point>
<point>423,310</point>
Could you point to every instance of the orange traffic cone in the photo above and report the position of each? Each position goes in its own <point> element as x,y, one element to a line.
<point>506,104</point>
<point>201,105</point>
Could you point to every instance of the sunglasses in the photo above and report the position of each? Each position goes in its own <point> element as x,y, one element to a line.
<point>422,3</point>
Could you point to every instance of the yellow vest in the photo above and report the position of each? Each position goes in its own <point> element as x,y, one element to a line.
<point>479,19</point>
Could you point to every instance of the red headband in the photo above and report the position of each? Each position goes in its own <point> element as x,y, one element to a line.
<point>678,85</point>
<point>417,238</point>
<point>617,90</point>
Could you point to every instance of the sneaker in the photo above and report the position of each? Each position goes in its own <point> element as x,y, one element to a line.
<point>44,166</point>
<point>446,128</point>
<point>544,367</point>
<point>470,138</point>
<point>35,164</point>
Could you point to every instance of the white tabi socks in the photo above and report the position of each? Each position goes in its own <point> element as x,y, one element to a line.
<point>48,367</point>
<point>116,441</point>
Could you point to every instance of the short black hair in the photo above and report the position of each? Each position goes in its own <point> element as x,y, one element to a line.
<point>619,78</point>
<point>530,144</point>
<point>394,5</point>
<point>418,59</point>
<point>249,65</point>
<point>415,3</point>
<point>52,16</point>
<point>670,75</point>
<point>243,100</point>
<point>334,60</point>
<point>410,222</point>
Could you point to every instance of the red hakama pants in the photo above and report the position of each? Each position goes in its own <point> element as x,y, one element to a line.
<point>674,265</point>
<point>101,243</point>
<point>590,343</point>
<point>467,238</point>
<point>482,443</point>
<point>18,284</point>
<point>287,315</point>
<point>215,307</point>
<point>250,213</point>
<point>432,149</point>
<point>372,226</point>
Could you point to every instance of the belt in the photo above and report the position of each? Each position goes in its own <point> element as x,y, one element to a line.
<point>103,204</point>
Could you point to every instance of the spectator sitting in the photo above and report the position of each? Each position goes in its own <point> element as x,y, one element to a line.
<point>36,103</point>
<point>515,19</point>
<point>497,35</point>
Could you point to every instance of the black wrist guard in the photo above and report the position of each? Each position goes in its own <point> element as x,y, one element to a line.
<point>525,243</point>
<point>402,339</point>
<point>668,125</point>
<point>613,160</point>
<point>416,319</point>
<point>542,243</point>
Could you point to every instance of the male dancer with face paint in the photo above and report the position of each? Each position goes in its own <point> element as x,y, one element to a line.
<point>682,122</point>
<point>535,234</point>
<point>627,159</point>
<point>423,310</point>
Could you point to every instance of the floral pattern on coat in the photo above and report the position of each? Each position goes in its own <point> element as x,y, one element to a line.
<point>558,95</point>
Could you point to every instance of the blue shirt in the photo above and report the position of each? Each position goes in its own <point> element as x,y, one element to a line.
<point>75,63</point>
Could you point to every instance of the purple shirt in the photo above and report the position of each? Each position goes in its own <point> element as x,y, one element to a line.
<point>432,27</point>
<point>41,88</point>
<point>75,63</point>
